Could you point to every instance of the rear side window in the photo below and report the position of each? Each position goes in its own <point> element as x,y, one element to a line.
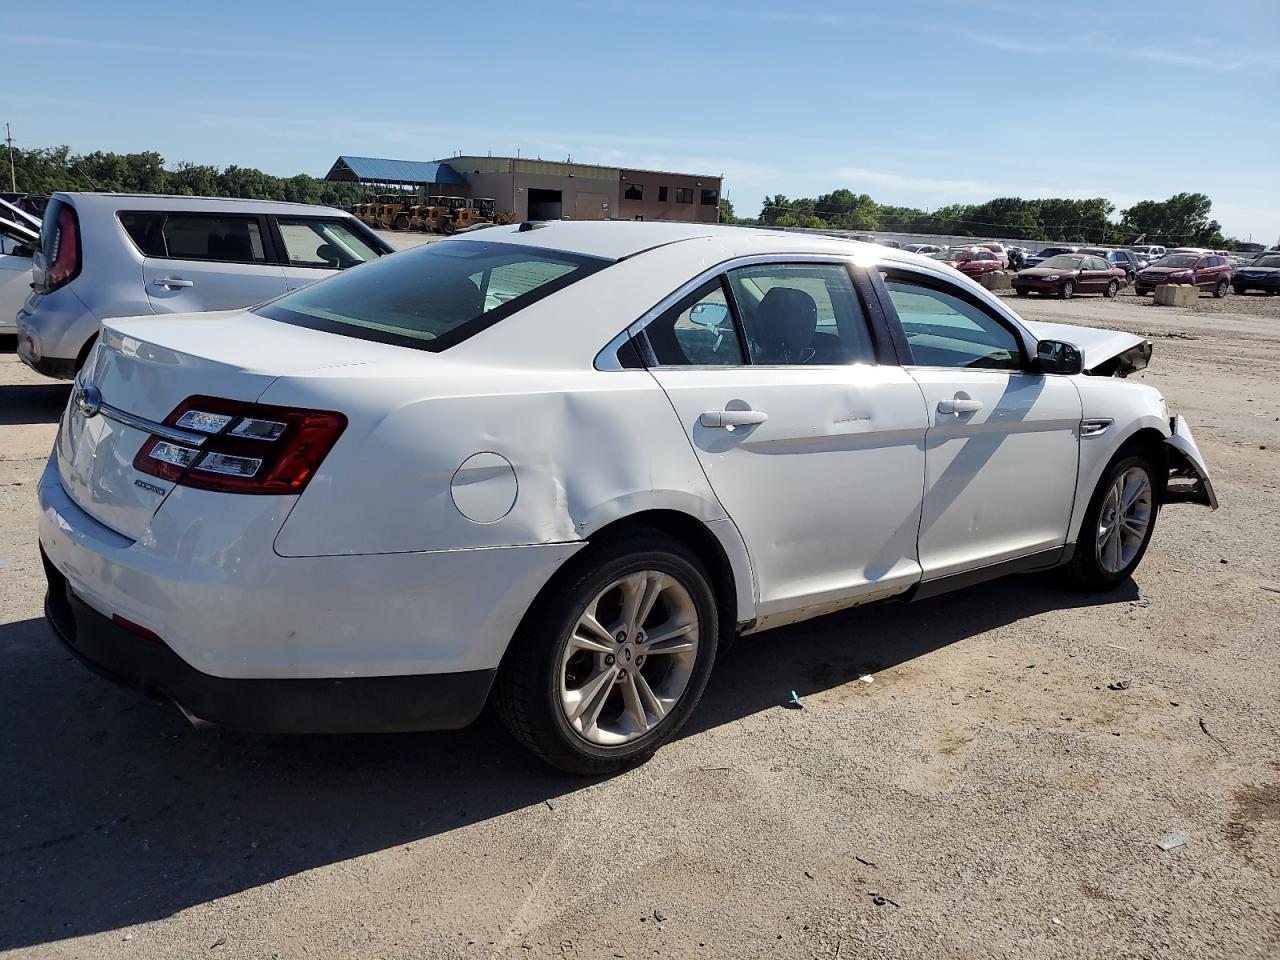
<point>326,244</point>
<point>433,296</point>
<point>697,331</point>
<point>194,236</point>
<point>801,314</point>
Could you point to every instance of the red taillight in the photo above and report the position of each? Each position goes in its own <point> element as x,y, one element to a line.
<point>245,448</point>
<point>136,629</point>
<point>63,253</point>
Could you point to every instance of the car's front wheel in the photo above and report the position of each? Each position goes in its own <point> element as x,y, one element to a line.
<point>1118,525</point>
<point>612,659</point>
<point>1067,291</point>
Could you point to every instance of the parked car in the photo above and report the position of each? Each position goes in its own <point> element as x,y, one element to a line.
<point>15,284</point>
<point>1035,259</point>
<point>558,466</point>
<point>1126,260</point>
<point>109,255</point>
<point>1152,251</point>
<point>1068,274</point>
<point>1205,271</point>
<point>999,249</point>
<point>1260,274</point>
<point>971,261</point>
<point>924,249</point>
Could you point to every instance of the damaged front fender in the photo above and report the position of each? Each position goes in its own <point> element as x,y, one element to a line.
<point>1188,476</point>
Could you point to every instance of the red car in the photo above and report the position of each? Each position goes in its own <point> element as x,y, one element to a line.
<point>971,261</point>
<point>1068,274</point>
<point>1208,271</point>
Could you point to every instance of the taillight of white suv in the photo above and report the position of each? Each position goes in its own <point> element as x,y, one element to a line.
<point>237,447</point>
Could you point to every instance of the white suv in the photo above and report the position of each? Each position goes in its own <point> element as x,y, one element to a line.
<point>109,255</point>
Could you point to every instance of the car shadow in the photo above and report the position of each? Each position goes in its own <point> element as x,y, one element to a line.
<point>118,813</point>
<point>32,402</point>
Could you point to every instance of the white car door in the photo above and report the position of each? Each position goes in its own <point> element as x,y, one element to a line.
<point>15,287</point>
<point>203,261</point>
<point>1002,448</point>
<point>814,449</point>
<point>317,247</point>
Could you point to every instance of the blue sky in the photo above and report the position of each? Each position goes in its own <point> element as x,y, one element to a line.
<point>919,102</point>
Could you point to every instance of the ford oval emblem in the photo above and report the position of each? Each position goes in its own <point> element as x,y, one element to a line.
<point>88,401</point>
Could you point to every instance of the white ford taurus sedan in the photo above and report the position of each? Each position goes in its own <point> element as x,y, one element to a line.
<point>556,466</point>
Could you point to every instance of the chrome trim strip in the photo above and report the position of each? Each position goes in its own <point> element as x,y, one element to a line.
<point>1095,428</point>
<point>174,434</point>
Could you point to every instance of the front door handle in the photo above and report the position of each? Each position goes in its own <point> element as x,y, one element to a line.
<point>732,418</point>
<point>959,405</point>
<point>173,283</point>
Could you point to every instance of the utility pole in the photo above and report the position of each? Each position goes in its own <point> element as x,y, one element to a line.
<point>13,177</point>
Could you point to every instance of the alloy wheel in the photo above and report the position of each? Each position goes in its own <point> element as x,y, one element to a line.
<point>1124,520</point>
<point>629,658</point>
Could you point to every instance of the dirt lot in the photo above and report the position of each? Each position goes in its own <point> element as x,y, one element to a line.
<point>985,794</point>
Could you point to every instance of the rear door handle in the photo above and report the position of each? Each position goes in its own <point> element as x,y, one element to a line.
<point>173,283</point>
<point>959,405</point>
<point>732,418</point>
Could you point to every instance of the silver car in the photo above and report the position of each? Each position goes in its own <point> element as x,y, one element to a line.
<point>107,255</point>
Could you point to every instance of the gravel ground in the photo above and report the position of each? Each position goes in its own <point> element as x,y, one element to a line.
<point>984,795</point>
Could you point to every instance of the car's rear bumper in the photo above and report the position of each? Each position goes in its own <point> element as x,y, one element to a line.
<point>307,705</point>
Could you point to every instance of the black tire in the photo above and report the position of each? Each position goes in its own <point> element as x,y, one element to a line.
<point>526,692</point>
<point>1129,278</point>
<point>401,222</point>
<point>1086,572</point>
<point>1112,289</point>
<point>1220,291</point>
<point>1067,291</point>
<point>1021,291</point>
<point>1241,291</point>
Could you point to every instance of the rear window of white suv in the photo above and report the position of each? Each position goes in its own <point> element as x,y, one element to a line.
<point>433,296</point>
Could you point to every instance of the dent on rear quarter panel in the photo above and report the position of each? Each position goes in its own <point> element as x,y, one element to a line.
<point>587,448</point>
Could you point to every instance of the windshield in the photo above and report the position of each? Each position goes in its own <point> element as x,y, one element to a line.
<point>435,295</point>
<point>1266,262</point>
<point>1063,262</point>
<point>1178,260</point>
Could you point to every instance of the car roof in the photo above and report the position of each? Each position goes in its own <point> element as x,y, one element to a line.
<point>618,239</point>
<point>111,202</point>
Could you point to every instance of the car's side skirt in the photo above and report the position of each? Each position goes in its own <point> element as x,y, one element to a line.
<point>1041,560</point>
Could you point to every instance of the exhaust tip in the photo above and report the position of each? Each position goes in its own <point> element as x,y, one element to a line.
<point>197,723</point>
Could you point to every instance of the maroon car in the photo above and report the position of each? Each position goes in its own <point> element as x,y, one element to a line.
<point>971,261</point>
<point>1208,271</point>
<point>1068,274</point>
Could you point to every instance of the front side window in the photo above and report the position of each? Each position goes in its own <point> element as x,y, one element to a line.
<point>684,194</point>
<point>433,296</point>
<point>945,330</point>
<point>328,244</point>
<point>633,191</point>
<point>801,314</point>
<point>697,331</point>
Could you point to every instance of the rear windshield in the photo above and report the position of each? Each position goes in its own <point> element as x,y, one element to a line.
<point>433,296</point>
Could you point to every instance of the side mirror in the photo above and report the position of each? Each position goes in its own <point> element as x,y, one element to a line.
<point>1060,357</point>
<point>711,315</point>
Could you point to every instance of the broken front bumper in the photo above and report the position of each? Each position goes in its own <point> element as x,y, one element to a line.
<point>1188,476</point>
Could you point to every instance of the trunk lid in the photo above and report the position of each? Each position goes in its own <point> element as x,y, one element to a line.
<point>143,368</point>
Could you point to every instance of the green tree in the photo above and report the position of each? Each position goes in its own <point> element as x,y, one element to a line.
<point>1182,220</point>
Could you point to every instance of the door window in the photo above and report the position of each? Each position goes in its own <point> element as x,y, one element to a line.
<point>324,244</point>
<point>697,331</point>
<point>801,314</point>
<point>190,236</point>
<point>945,330</point>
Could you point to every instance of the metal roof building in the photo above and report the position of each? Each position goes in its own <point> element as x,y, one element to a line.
<point>407,172</point>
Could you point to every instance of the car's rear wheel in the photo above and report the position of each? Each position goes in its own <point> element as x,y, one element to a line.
<point>1021,291</point>
<point>1220,290</point>
<point>402,222</point>
<point>1129,277</point>
<point>1067,291</point>
<point>1112,289</point>
<point>612,659</point>
<point>1118,525</point>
